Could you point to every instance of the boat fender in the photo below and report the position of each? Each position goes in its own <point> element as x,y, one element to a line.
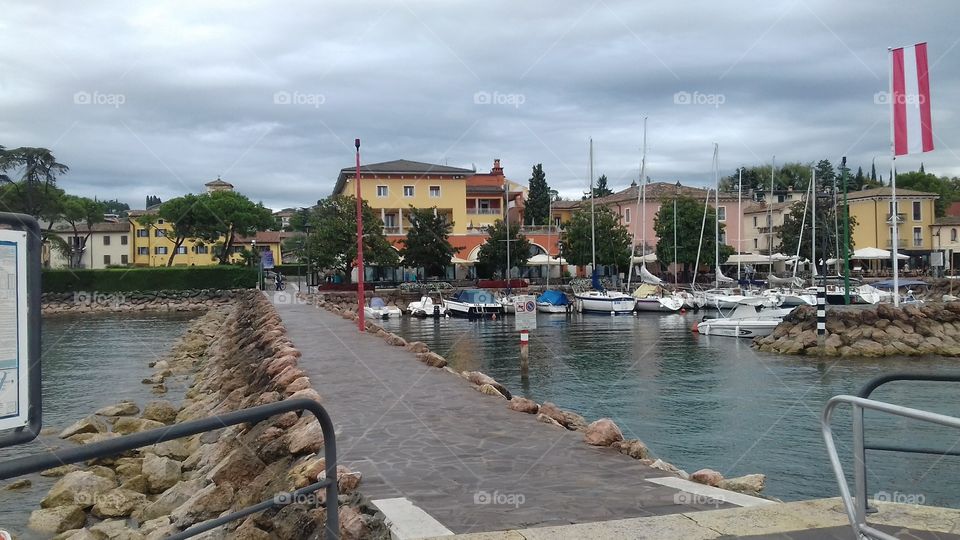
<point>696,328</point>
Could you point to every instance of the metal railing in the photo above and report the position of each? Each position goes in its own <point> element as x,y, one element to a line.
<point>41,462</point>
<point>856,504</point>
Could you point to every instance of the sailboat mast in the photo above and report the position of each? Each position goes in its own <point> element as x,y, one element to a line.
<point>740,217</point>
<point>506,221</point>
<point>716,209</point>
<point>641,189</point>
<point>813,225</point>
<point>773,166</point>
<point>593,232</point>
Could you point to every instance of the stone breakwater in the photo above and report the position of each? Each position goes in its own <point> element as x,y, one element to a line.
<point>601,432</point>
<point>874,331</point>
<point>238,356</point>
<point>95,301</point>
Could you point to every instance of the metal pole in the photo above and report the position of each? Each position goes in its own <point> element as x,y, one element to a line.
<point>593,235</point>
<point>506,222</point>
<point>739,217</point>
<point>846,234</point>
<point>361,297</point>
<point>893,190</point>
<point>675,279</point>
<point>307,251</point>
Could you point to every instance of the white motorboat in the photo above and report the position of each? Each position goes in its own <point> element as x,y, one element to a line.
<point>473,303</point>
<point>426,307</point>
<point>378,309</point>
<point>731,298</point>
<point>611,302</point>
<point>791,297</point>
<point>553,301</point>
<point>744,322</point>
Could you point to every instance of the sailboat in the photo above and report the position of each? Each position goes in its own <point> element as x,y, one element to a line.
<point>600,300</point>
<point>508,301</point>
<point>649,296</point>
<point>790,291</point>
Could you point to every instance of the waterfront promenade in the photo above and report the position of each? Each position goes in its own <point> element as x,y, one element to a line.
<point>466,459</point>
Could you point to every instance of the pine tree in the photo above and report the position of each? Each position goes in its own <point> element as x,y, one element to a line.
<point>921,168</point>
<point>858,180</point>
<point>601,189</point>
<point>537,205</point>
<point>826,176</point>
<point>873,172</point>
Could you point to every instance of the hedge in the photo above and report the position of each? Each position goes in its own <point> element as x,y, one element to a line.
<point>150,279</point>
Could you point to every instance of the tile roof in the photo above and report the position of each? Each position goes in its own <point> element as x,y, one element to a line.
<point>107,226</point>
<point>885,192</point>
<point>399,166</point>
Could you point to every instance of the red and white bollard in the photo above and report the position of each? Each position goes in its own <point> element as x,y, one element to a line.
<point>524,337</point>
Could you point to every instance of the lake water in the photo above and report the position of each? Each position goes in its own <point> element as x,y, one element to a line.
<point>713,402</point>
<point>88,362</point>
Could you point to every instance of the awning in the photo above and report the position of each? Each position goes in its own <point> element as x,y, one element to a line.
<point>542,259</point>
<point>458,260</point>
<point>648,258</point>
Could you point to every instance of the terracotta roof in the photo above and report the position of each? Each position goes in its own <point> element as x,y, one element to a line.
<point>947,220</point>
<point>759,207</point>
<point>953,209</point>
<point>266,237</point>
<point>218,182</point>
<point>399,166</point>
<point>885,192</point>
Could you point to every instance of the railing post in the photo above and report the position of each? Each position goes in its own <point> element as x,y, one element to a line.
<point>859,466</point>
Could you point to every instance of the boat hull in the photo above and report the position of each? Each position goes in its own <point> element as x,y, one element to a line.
<point>735,328</point>
<point>472,311</point>
<point>661,305</point>
<point>381,313</point>
<point>545,307</point>
<point>616,305</point>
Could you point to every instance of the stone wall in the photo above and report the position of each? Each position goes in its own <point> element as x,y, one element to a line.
<point>238,356</point>
<point>94,301</point>
<point>881,330</point>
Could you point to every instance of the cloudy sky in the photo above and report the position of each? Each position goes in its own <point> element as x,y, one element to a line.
<point>160,97</point>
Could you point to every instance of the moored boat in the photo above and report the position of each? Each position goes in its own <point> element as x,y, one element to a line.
<point>378,309</point>
<point>473,303</point>
<point>652,298</point>
<point>553,301</point>
<point>610,302</point>
<point>427,307</point>
<point>744,322</point>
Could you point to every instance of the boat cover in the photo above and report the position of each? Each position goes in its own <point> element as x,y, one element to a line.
<point>888,283</point>
<point>647,277</point>
<point>722,278</point>
<point>790,282</point>
<point>554,297</point>
<point>646,290</point>
<point>376,302</point>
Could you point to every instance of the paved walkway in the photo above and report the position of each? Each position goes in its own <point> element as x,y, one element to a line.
<point>465,458</point>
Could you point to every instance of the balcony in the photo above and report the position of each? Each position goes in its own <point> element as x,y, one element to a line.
<point>484,211</point>
<point>901,217</point>
<point>391,230</point>
<point>901,243</point>
<point>918,242</point>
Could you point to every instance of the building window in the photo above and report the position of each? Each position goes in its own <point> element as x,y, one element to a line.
<point>143,251</point>
<point>159,222</point>
<point>756,243</point>
<point>123,240</point>
<point>754,221</point>
<point>390,220</point>
<point>916,210</point>
<point>142,233</point>
<point>723,237</point>
<point>201,250</point>
<point>953,235</point>
<point>626,215</point>
<point>182,250</point>
<point>159,233</point>
<point>434,191</point>
<point>556,222</point>
<point>382,191</point>
<point>106,260</point>
<point>408,191</point>
<point>160,250</point>
<point>124,259</point>
<point>106,239</point>
<point>722,213</point>
<point>917,236</point>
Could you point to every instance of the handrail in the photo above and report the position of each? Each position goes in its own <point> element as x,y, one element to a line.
<point>42,462</point>
<point>856,510</point>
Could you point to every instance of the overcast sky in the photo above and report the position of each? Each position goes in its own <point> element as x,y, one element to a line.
<point>160,97</point>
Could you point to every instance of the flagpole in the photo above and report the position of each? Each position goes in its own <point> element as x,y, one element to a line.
<point>893,187</point>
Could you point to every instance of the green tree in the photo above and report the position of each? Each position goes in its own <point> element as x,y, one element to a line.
<point>152,200</point>
<point>493,252</point>
<point>873,173</point>
<point>190,216</point>
<point>235,215</point>
<point>32,174</point>
<point>789,175</point>
<point>600,189</point>
<point>332,243</point>
<point>790,232</point>
<point>80,212</point>
<point>537,206</point>
<point>929,183</point>
<point>114,206</point>
<point>427,244</point>
<point>826,176</point>
<point>689,220</point>
<point>858,182</point>
<point>612,238</point>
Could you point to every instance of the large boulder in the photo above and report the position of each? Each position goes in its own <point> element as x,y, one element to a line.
<point>867,348</point>
<point>567,419</point>
<point>306,437</point>
<point>161,411</point>
<point>751,484</point>
<point>126,425</point>
<point>490,390</point>
<point>122,408</point>
<point>90,424</point>
<point>79,488</point>
<point>602,432</point>
<point>57,519</point>
<point>238,468</point>
<point>433,359</point>
<point>294,521</point>
<point>118,502</point>
<point>162,473</point>
<point>521,404</point>
<point>205,504</point>
<point>170,499</point>
<point>633,448</point>
<point>707,477</point>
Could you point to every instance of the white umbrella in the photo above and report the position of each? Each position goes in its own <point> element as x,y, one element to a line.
<point>870,253</point>
<point>648,258</point>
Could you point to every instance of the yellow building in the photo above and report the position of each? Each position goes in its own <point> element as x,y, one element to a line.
<point>873,210</point>
<point>392,187</point>
<point>152,243</point>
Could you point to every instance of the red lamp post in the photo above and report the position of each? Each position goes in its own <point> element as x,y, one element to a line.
<point>361,298</point>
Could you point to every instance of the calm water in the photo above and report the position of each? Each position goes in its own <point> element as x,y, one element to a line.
<point>89,362</point>
<point>709,401</point>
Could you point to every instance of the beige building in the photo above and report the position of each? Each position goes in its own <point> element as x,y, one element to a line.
<point>107,245</point>
<point>760,221</point>
<point>946,238</point>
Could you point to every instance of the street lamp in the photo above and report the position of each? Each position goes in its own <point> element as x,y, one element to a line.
<point>306,244</point>
<point>553,195</point>
<point>675,263</point>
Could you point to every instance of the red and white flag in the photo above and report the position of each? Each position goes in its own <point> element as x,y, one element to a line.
<point>912,131</point>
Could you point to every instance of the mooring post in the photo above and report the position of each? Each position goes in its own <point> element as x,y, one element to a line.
<point>821,314</point>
